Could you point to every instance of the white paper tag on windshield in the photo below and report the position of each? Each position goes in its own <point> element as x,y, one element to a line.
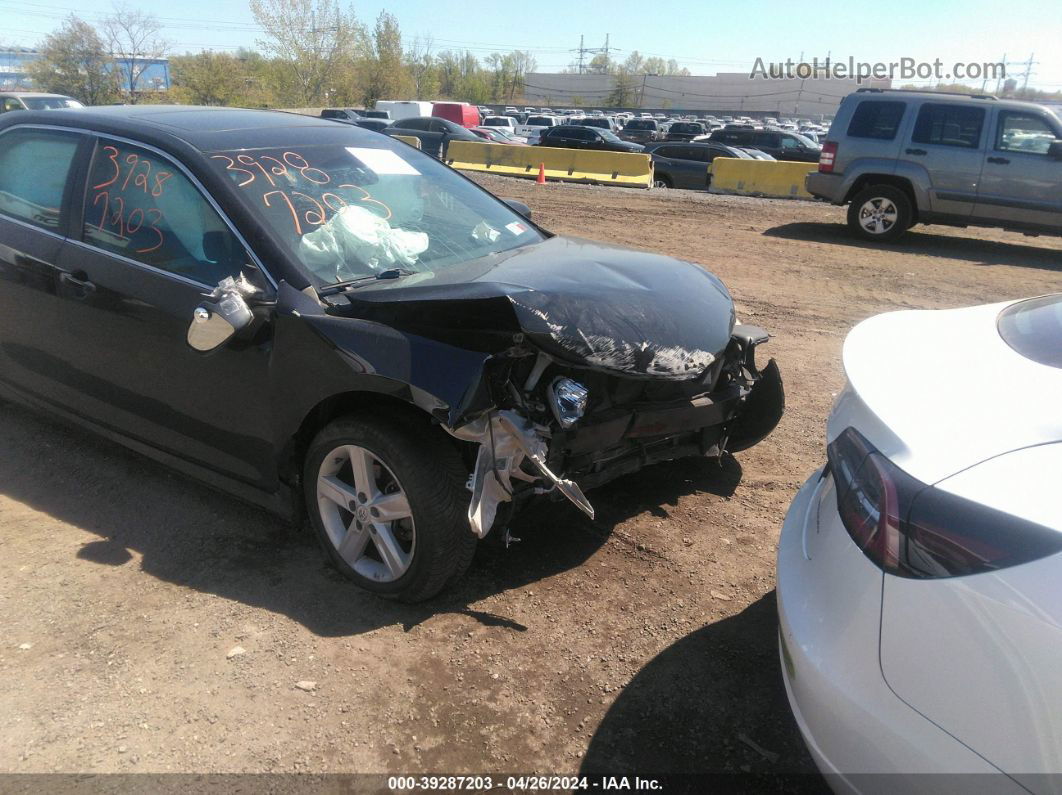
<point>383,161</point>
<point>516,228</point>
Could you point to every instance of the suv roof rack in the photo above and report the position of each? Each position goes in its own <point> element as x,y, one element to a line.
<point>869,90</point>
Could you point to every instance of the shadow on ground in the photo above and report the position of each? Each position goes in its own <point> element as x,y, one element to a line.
<point>713,701</point>
<point>195,537</point>
<point>980,252</point>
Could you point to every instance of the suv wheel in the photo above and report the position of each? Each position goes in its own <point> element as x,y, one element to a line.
<point>880,213</point>
<point>663,181</point>
<point>388,506</point>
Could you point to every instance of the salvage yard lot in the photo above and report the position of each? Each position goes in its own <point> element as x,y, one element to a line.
<point>150,624</point>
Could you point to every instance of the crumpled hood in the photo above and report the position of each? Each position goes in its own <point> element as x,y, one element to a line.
<point>587,303</point>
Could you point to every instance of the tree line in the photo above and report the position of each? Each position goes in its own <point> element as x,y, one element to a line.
<point>312,53</point>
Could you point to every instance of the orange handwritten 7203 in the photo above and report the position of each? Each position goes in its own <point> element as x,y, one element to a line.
<point>291,207</point>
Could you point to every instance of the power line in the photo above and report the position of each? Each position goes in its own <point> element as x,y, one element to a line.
<point>584,51</point>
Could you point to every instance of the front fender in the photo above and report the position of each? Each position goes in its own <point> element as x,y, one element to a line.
<point>317,356</point>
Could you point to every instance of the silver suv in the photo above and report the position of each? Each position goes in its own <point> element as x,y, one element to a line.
<point>898,158</point>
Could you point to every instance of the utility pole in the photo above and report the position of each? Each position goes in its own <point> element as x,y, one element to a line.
<point>584,51</point>
<point>1003,71</point>
<point>1028,71</point>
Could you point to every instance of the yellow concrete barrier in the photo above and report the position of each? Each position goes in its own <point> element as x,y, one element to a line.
<point>412,140</point>
<point>779,178</point>
<point>572,165</point>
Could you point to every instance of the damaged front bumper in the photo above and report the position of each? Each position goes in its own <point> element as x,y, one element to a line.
<point>517,455</point>
<point>508,444</point>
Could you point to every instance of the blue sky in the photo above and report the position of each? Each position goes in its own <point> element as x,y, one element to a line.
<point>704,37</point>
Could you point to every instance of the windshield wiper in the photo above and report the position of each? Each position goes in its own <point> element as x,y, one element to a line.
<point>361,281</point>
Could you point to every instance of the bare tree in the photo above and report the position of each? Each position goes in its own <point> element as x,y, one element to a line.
<point>314,39</point>
<point>421,64</point>
<point>133,37</point>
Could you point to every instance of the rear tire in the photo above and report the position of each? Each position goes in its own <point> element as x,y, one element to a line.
<point>389,507</point>
<point>880,213</point>
<point>662,182</point>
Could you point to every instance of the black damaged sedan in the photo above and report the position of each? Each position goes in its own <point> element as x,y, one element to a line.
<point>328,323</point>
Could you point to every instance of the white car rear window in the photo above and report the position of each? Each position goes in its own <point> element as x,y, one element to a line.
<point>1033,328</point>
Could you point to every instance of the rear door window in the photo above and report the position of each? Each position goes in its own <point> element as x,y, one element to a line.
<point>34,165</point>
<point>875,118</point>
<point>949,125</point>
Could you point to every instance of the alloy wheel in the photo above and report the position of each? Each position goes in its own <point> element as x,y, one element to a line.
<point>366,513</point>
<point>878,215</point>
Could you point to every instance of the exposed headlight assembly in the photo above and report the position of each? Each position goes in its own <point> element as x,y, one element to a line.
<point>568,400</point>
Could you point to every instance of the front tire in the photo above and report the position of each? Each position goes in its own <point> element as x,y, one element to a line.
<point>388,504</point>
<point>880,213</point>
<point>662,181</point>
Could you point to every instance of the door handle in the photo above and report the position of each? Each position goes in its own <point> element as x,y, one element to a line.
<point>915,151</point>
<point>1000,160</point>
<point>80,288</point>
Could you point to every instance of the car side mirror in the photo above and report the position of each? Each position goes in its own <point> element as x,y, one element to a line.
<point>1054,149</point>
<point>519,207</point>
<point>220,315</point>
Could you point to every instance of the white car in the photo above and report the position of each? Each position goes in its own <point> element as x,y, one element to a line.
<point>504,122</point>
<point>536,124</point>
<point>920,571</point>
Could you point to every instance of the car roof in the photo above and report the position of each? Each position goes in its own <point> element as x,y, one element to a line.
<point>204,128</point>
<point>989,100</point>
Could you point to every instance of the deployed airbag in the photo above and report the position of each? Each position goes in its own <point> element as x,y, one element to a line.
<point>358,242</point>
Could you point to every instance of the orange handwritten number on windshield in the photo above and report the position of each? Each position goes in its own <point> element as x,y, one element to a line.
<point>286,198</point>
<point>247,160</point>
<point>235,168</point>
<point>305,170</point>
<point>310,215</point>
<point>113,156</point>
<point>365,198</point>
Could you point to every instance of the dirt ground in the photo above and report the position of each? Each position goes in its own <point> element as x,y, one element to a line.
<point>641,641</point>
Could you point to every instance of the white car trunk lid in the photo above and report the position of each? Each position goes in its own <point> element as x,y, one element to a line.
<point>939,391</point>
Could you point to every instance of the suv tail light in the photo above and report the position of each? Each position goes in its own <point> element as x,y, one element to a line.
<point>911,529</point>
<point>827,156</point>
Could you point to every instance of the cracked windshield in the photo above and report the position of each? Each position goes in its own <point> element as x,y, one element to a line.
<point>354,211</point>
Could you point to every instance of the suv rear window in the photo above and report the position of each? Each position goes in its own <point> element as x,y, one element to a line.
<point>1034,329</point>
<point>949,125</point>
<point>876,118</point>
<point>641,124</point>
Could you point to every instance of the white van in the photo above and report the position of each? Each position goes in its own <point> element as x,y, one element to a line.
<point>404,108</point>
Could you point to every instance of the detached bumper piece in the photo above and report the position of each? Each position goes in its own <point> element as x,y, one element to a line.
<point>506,441</point>
<point>765,404</point>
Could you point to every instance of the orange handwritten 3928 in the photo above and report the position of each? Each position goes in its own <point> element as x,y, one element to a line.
<point>138,169</point>
<point>290,182</point>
